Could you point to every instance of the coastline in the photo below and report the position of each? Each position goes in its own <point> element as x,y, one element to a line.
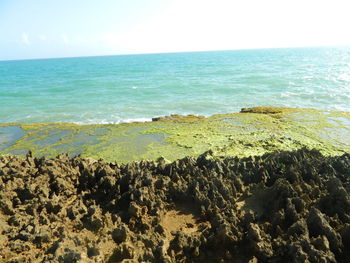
<point>279,207</point>
<point>264,184</point>
<point>253,131</point>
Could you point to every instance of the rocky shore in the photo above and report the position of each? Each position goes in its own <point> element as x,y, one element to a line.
<point>279,207</point>
<point>252,132</point>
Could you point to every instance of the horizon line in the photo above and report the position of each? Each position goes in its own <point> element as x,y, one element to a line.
<point>176,52</point>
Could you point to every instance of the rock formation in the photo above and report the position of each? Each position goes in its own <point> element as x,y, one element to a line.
<point>279,207</point>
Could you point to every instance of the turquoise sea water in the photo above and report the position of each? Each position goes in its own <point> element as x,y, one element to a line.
<point>113,89</point>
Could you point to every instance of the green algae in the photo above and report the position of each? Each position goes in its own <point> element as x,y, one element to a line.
<point>254,131</point>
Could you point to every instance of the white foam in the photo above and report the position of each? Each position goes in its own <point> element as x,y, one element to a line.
<point>344,77</point>
<point>288,94</point>
<point>307,77</point>
<point>136,120</point>
<point>93,121</point>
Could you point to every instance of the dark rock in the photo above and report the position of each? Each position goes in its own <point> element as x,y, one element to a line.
<point>318,225</point>
<point>119,234</point>
<point>280,207</point>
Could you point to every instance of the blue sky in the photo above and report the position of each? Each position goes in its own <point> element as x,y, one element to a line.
<point>66,28</point>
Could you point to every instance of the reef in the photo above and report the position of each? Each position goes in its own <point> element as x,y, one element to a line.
<point>253,131</point>
<point>285,206</point>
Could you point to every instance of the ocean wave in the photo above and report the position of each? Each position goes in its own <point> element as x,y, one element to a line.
<point>226,84</point>
<point>96,121</point>
<point>136,120</point>
<point>307,77</point>
<point>288,94</point>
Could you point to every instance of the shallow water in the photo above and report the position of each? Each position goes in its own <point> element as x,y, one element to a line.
<point>9,135</point>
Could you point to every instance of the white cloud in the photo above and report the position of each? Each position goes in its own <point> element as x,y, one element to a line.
<point>25,39</point>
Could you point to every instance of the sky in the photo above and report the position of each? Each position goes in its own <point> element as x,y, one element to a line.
<point>70,28</point>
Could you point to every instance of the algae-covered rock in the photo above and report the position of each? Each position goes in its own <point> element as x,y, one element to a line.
<point>252,132</point>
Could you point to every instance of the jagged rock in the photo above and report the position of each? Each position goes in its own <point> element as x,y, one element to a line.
<point>318,225</point>
<point>280,207</point>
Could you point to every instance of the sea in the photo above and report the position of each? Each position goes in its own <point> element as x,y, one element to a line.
<point>126,88</point>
